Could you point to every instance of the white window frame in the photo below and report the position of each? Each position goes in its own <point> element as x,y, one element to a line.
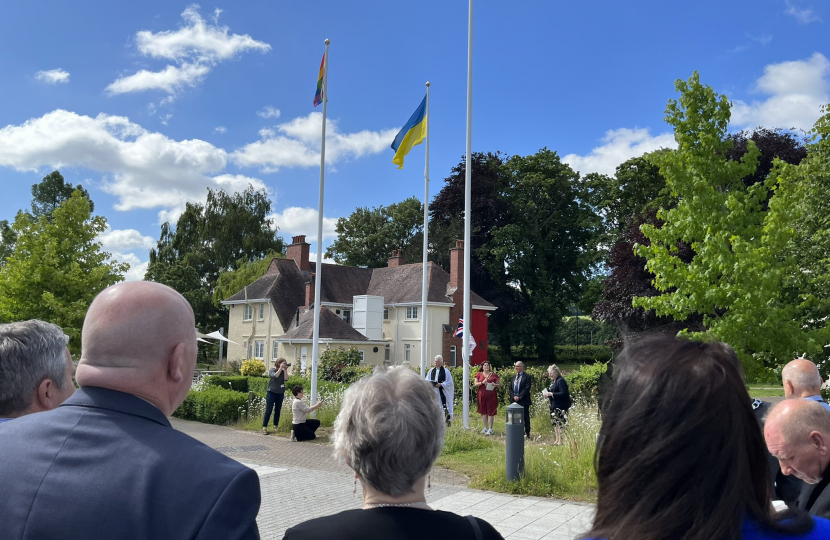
<point>276,349</point>
<point>407,352</point>
<point>262,311</point>
<point>362,355</point>
<point>259,349</point>
<point>387,353</point>
<point>411,313</point>
<point>247,312</point>
<point>385,314</point>
<point>453,356</point>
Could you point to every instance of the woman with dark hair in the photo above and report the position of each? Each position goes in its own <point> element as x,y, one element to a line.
<point>488,400</point>
<point>680,454</point>
<point>302,427</point>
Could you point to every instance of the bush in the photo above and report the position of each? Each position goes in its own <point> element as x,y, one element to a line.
<point>235,383</point>
<point>350,374</point>
<point>585,381</point>
<point>567,354</point>
<point>213,405</point>
<point>252,368</point>
<point>332,362</point>
<point>233,367</point>
<point>258,385</point>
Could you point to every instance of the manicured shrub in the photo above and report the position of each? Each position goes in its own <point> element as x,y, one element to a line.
<point>253,368</point>
<point>333,361</point>
<point>259,385</point>
<point>236,383</point>
<point>213,405</point>
<point>568,354</point>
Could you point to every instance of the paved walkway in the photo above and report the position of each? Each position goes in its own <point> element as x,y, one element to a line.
<point>300,481</point>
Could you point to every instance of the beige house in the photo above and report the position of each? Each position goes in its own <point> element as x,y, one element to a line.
<point>378,311</point>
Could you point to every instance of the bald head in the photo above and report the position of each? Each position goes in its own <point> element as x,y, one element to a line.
<point>801,379</point>
<point>139,337</point>
<point>797,432</point>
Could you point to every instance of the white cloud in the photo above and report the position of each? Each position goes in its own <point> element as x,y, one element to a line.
<point>619,145</point>
<point>269,112</point>
<point>53,76</point>
<point>142,168</point>
<point>171,79</point>
<point>796,90</point>
<point>197,47</point>
<point>295,220</point>
<point>803,16</point>
<point>312,256</point>
<point>166,118</point>
<point>137,267</point>
<point>220,129</point>
<point>124,240</point>
<point>297,144</point>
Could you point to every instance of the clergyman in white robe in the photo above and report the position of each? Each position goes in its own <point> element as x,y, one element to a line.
<point>433,376</point>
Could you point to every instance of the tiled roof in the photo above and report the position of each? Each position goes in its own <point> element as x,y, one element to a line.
<point>331,327</point>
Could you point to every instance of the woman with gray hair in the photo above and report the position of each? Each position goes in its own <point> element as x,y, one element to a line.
<point>390,431</point>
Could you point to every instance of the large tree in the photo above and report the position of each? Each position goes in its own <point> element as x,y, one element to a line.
<point>50,193</point>
<point>546,251</point>
<point>368,236</point>
<point>57,267</point>
<point>741,266</point>
<point>209,239</point>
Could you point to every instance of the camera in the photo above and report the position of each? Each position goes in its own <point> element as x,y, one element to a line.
<point>288,364</point>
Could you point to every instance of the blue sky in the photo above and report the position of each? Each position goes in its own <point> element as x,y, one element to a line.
<point>149,103</point>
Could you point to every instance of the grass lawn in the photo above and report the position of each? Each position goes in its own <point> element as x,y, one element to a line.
<point>765,390</point>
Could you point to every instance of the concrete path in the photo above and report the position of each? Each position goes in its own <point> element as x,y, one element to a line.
<point>300,481</point>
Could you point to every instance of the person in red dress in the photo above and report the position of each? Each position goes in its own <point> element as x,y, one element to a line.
<point>488,402</point>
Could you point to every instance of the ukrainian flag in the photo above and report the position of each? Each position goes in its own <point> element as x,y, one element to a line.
<point>411,134</point>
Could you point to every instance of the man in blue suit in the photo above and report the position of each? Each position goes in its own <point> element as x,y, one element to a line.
<point>107,463</point>
<point>519,390</point>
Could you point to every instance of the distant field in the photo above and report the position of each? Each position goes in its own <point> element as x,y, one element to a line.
<point>765,390</point>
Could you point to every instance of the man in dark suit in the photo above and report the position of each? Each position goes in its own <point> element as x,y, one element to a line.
<point>520,392</point>
<point>797,433</point>
<point>107,463</point>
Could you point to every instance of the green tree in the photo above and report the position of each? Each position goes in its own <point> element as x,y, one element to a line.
<point>231,282</point>
<point>741,265</point>
<point>7,240</point>
<point>57,267</point>
<point>545,252</point>
<point>51,192</point>
<point>209,239</point>
<point>368,236</point>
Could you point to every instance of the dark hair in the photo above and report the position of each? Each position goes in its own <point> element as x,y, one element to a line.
<point>481,366</point>
<point>296,389</point>
<point>680,453</point>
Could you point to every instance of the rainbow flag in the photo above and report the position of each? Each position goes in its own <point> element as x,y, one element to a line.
<point>318,97</point>
<point>411,134</point>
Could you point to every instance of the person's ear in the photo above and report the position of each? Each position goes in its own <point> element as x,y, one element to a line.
<point>175,364</point>
<point>45,395</point>
<point>788,388</point>
<point>818,439</point>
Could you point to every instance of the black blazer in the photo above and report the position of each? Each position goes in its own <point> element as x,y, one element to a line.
<point>106,464</point>
<point>560,397</point>
<point>524,389</point>
<point>398,522</point>
<point>820,495</point>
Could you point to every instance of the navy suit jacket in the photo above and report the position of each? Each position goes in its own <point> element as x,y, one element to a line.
<point>106,464</point>
<point>524,389</point>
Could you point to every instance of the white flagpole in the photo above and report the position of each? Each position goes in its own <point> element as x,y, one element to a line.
<point>315,348</point>
<point>424,285</point>
<point>468,320</point>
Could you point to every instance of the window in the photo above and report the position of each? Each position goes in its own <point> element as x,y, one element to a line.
<point>276,350</point>
<point>262,311</point>
<point>247,312</point>
<point>406,350</point>
<point>259,349</point>
<point>386,351</point>
<point>250,349</point>
<point>411,312</point>
<point>385,314</point>
<point>362,356</point>
<point>452,356</point>
<point>347,316</point>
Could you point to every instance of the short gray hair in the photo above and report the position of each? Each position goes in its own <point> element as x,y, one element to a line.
<point>802,380</point>
<point>30,351</point>
<point>390,429</point>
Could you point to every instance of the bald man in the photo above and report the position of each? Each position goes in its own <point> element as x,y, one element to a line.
<point>797,433</point>
<point>107,463</point>
<point>802,381</point>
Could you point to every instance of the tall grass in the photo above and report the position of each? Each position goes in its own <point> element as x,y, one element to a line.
<point>331,395</point>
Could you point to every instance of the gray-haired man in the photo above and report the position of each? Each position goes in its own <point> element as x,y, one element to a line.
<point>36,369</point>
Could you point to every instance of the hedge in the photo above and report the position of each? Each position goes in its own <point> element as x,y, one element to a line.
<point>588,354</point>
<point>213,405</point>
<point>236,383</point>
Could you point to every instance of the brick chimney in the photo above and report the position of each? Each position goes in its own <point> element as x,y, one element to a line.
<point>396,259</point>
<point>457,265</point>
<point>298,250</point>
<point>309,292</point>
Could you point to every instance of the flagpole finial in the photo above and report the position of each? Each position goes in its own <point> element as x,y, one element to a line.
<point>427,84</point>
<point>327,41</point>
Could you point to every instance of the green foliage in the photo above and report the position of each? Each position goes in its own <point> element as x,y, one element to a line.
<point>252,368</point>
<point>585,381</point>
<point>7,240</point>
<point>368,236</point>
<point>350,374</point>
<point>333,361</point>
<point>213,405</point>
<point>237,384</point>
<point>458,440</point>
<point>585,331</point>
<point>568,354</point>
<point>258,385</point>
<point>209,239</point>
<point>57,267</point>
<point>742,265</point>
<point>51,192</point>
<point>246,272</point>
